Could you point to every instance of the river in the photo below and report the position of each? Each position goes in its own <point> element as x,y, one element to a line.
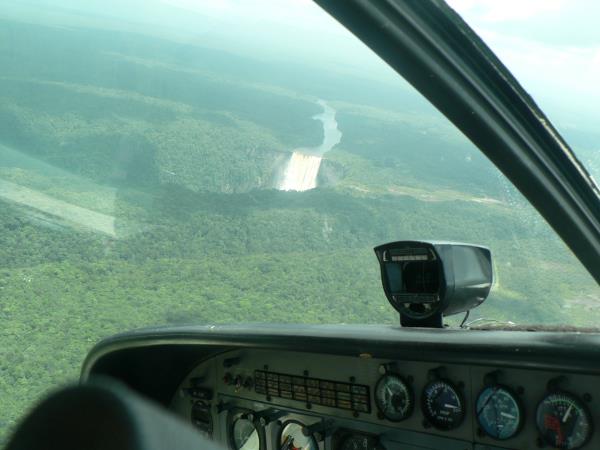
<point>302,169</point>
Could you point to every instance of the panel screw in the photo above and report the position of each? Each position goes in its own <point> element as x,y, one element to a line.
<point>520,390</point>
<point>426,424</point>
<point>354,413</point>
<point>352,380</point>
<point>587,397</point>
<point>308,406</point>
<point>305,373</point>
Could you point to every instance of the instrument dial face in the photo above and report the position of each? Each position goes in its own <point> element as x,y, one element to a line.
<point>563,421</point>
<point>245,435</point>
<point>360,442</point>
<point>293,438</point>
<point>443,405</point>
<point>394,398</point>
<point>499,412</point>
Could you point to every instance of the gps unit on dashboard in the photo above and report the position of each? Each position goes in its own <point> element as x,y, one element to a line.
<point>426,280</point>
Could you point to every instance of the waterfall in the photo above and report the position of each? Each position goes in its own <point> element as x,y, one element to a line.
<point>301,172</point>
<point>303,166</point>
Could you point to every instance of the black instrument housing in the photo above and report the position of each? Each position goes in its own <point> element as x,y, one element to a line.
<point>424,280</point>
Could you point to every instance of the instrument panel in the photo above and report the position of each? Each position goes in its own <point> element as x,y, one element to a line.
<point>258,399</point>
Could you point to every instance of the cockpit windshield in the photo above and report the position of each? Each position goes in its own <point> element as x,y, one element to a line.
<point>196,161</point>
<point>553,48</point>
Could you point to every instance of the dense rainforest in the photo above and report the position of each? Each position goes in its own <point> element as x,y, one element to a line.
<point>138,186</point>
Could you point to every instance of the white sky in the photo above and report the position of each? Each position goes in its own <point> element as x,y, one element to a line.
<point>297,30</point>
<point>498,11</point>
<point>552,47</point>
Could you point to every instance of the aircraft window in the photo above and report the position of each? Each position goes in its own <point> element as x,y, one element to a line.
<point>553,48</point>
<point>179,161</point>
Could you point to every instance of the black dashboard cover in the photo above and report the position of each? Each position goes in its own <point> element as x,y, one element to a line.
<point>169,353</point>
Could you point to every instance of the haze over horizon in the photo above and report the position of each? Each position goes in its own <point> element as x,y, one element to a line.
<point>552,47</point>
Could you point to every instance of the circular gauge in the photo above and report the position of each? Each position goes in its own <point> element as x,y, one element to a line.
<point>360,442</point>
<point>563,421</point>
<point>499,412</point>
<point>292,437</point>
<point>442,405</point>
<point>394,398</point>
<point>244,433</point>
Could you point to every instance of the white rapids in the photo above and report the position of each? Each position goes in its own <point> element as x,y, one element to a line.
<point>303,167</point>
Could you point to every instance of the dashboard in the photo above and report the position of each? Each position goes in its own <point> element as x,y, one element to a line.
<point>364,388</point>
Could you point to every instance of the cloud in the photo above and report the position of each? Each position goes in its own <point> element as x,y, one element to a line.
<point>302,14</point>
<point>506,10</point>
<point>574,68</point>
<point>532,39</point>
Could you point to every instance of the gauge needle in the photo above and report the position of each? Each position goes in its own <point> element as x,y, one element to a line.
<point>446,405</point>
<point>287,443</point>
<point>508,416</point>
<point>567,414</point>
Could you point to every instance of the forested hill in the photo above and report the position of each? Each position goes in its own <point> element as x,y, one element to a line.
<point>137,187</point>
